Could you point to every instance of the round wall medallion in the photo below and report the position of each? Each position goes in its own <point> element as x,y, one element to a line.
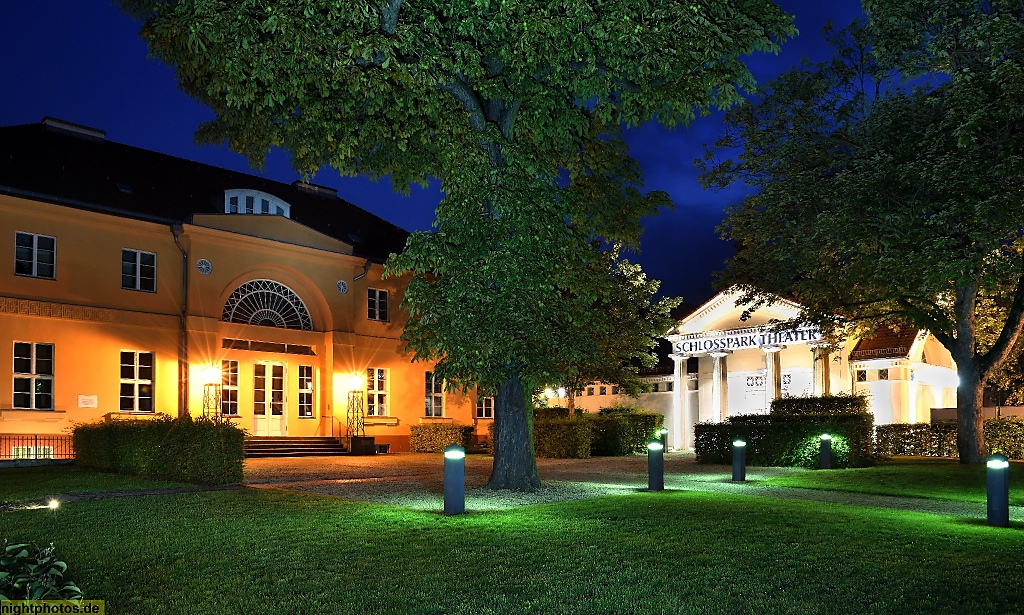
<point>204,266</point>
<point>342,286</point>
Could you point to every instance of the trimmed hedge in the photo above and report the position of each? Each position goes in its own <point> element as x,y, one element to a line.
<point>183,449</point>
<point>621,432</point>
<point>563,438</point>
<point>433,437</point>
<point>842,403</point>
<point>788,440</point>
<point>1003,435</point>
<point>542,413</point>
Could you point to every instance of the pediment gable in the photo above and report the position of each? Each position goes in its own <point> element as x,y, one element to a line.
<point>720,313</point>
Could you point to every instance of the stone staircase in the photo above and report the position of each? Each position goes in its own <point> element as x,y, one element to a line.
<point>267,446</point>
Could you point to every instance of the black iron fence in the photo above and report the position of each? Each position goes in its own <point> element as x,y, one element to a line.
<point>31,447</point>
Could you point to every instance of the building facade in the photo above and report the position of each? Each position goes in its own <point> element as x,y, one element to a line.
<point>723,366</point>
<point>136,283</point>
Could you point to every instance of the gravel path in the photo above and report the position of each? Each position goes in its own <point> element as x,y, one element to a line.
<point>415,480</point>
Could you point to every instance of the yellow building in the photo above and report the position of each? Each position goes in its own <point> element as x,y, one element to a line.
<point>137,283</point>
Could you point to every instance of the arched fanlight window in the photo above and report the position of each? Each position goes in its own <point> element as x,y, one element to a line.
<point>268,304</point>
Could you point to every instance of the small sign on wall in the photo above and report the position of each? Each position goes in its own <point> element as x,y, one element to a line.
<point>88,401</point>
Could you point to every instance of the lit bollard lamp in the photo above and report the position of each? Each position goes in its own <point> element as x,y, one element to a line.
<point>998,490</point>
<point>739,461</point>
<point>825,453</point>
<point>655,466</point>
<point>454,480</point>
<point>663,436</point>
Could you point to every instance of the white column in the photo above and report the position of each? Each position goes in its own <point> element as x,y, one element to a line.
<point>679,429</point>
<point>822,370</point>
<point>720,385</point>
<point>772,375</point>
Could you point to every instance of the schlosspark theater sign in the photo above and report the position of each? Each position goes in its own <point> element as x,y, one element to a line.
<point>746,339</point>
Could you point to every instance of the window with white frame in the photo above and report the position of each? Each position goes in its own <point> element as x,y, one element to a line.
<point>31,452</point>
<point>33,376</point>
<point>669,386</point>
<point>655,388</point>
<point>254,202</point>
<point>484,406</point>
<point>136,381</point>
<point>306,391</point>
<point>229,388</point>
<point>862,375</point>
<point>35,255</point>
<point>883,374</point>
<point>138,270</point>
<point>376,391</point>
<point>590,390</point>
<point>377,304</point>
<point>602,390</point>
<point>434,395</point>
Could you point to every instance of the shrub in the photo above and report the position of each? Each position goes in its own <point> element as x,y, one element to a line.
<point>185,449</point>
<point>788,440</point>
<point>543,413</point>
<point>28,572</point>
<point>623,431</point>
<point>563,438</point>
<point>842,403</point>
<point>433,437</point>
<point>1003,435</point>
<point>620,409</point>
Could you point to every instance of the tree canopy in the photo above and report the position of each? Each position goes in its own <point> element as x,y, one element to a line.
<point>888,185</point>
<point>513,105</point>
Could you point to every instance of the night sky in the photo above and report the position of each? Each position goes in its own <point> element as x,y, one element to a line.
<point>84,62</point>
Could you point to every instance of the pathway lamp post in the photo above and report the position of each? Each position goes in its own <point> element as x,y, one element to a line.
<point>739,461</point>
<point>998,471</point>
<point>454,480</point>
<point>655,466</point>
<point>825,452</point>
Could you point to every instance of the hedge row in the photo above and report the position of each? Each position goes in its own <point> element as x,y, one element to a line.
<point>1003,435</point>
<point>433,437</point>
<point>788,440</point>
<point>563,438</point>
<point>605,434</point>
<point>841,403</point>
<point>183,449</point>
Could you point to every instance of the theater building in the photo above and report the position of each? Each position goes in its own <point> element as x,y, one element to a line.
<point>136,283</point>
<point>722,366</point>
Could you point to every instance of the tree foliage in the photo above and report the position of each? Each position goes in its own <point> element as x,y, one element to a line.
<point>888,185</point>
<point>513,105</point>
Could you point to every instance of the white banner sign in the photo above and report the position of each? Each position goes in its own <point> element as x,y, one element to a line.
<point>741,341</point>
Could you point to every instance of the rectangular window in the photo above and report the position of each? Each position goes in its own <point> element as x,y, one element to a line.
<point>32,452</point>
<point>233,205</point>
<point>883,374</point>
<point>484,406</point>
<point>306,391</point>
<point>264,206</point>
<point>615,390</point>
<point>35,255</point>
<point>259,389</point>
<point>250,201</point>
<point>862,375</point>
<point>603,390</point>
<point>229,388</point>
<point>655,388</point>
<point>377,304</point>
<point>376,391</point>
<point>590,390</point>
<point>669,386</point>
<point>138,270</point>
<point>136,381</point>
<point>434,395</point>
<point>33,376</point>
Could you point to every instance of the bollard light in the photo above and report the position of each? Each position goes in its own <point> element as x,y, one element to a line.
<point>663,436</point>
<point>53,505</point>
<point>454,480</point>
<point>825,452</point>
<point>998,471</point>
<point>739,461</point>
<point>655,466</point>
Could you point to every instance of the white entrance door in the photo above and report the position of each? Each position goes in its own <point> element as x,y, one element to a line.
<point>269,410</point>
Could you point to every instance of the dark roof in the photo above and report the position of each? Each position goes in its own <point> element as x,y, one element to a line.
<point>78,167</point>
<point>886,343</point>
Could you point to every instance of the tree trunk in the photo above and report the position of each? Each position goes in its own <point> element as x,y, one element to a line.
<point>970,438</point>
<point>570,401</point>
<point>515,466</point>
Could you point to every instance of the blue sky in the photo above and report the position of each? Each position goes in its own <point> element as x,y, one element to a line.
<point>84,62</point>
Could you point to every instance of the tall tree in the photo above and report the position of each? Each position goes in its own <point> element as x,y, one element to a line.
<point>878,202</point>
<point>498,99</point>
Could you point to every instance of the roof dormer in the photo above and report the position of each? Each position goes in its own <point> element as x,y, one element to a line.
<point>245,201</point>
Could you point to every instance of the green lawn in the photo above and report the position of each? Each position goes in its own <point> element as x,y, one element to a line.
<point>33,483</point>
<point>261,551</point>
<point>924,478</point>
